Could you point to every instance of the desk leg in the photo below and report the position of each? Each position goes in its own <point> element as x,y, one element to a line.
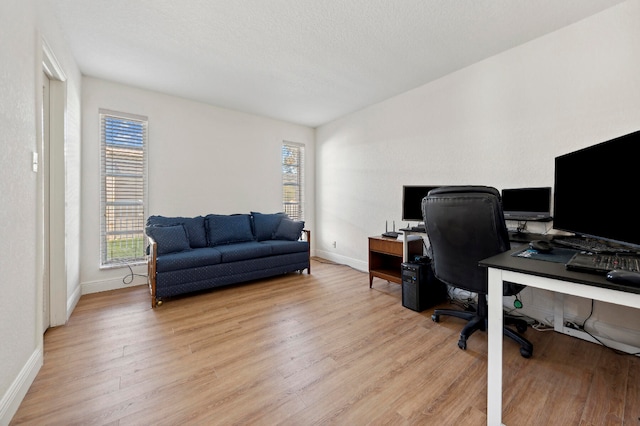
<point>405,246</point>
<point>494,358</point>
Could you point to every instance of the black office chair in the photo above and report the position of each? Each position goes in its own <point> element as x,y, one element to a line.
<point>465,224</point>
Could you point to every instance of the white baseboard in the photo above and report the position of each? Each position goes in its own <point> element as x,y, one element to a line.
<point>12,398</point>
<point>73,300</point>
<point>110,284</point>
<point>343,260</point>
<point>543,314</point>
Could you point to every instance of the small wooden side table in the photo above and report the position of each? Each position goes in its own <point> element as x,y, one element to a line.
<point>385,257</point>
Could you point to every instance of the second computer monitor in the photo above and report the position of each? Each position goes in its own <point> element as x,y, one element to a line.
<point>527,203</point>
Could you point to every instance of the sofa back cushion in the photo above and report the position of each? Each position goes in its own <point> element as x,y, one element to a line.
<point>170,238</point>
<point>289,230</point>
<point>265,224</point>
<point>227,229</point>
<point>193,225</point>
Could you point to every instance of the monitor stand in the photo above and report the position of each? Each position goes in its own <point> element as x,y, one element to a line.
<point>420,227</point>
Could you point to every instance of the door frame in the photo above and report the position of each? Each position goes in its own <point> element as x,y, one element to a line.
<point>42,165</point>
<point>55,214</point>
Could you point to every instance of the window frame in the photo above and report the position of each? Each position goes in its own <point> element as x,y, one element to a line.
<point>130,186</point>
<point>289,207</point>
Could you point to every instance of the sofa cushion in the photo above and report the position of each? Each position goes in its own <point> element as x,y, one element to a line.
<point>194,226</point>
<point>188,259</point>
<point>289,230</point>
<point>170,238</point>
<point>227,229</point>
<point>265,224</point>
<point>243,251</point>
<point>286,247</point>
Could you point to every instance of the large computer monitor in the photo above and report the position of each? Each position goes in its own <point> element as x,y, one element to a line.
<point>527,203</point>
<point>596,191</point>
<point>412,196</point>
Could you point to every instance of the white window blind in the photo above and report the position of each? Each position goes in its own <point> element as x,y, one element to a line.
<point>123,187</point>
<point>293,180</point>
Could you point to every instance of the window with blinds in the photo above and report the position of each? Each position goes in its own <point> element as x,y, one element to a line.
<point>293,180</point>
<point>123,188</point>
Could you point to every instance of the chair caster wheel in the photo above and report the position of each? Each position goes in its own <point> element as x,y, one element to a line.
<point>521,328</point>
<point>462,344</point>
<point>159,302</point>
<point>526,353</point>
<point>435,318</point>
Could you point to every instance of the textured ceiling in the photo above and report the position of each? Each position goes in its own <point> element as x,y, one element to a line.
<point>302,61</point>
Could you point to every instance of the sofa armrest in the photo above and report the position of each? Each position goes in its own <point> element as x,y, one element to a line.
<point>307,238</point>
<point>151,269</point>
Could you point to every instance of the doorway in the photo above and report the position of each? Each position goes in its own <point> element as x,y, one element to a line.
<point>44,200</point>
<point>51,199</point>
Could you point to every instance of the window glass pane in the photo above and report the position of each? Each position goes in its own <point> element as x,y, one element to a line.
<point>123,189</point>
<point>293,180</point>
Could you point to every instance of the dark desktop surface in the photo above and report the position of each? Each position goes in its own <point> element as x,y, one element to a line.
<point>526,237</point>
<point>415,229</point>
<point>550,269</point>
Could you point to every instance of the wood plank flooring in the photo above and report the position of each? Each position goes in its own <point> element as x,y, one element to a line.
<point>309,350</point>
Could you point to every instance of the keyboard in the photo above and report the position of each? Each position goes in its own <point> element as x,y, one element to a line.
<point>600,263</point>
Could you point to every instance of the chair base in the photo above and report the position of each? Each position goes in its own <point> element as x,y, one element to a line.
<point>479,322</point>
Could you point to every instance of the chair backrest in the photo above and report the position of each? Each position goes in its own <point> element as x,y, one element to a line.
<point>464,224</point>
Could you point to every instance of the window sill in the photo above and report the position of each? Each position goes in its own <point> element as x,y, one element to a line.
<point>130,264</point>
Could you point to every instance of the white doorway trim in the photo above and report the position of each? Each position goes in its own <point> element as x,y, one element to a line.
<point>44,207</point>
<point>55,215</point>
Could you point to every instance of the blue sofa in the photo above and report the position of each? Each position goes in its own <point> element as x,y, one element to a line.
<point>188,254</point>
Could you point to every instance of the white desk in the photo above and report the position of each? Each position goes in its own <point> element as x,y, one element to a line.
<point>539,274</point>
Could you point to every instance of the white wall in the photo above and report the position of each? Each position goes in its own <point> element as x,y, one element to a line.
<point>18,329</point>
<point>21,35</point>
<point>500,122</point>
<point>202,159</point>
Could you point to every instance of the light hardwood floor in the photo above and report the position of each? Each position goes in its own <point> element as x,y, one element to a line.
<point>309,349</point>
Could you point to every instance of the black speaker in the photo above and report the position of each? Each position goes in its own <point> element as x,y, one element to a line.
<point>420,288</point>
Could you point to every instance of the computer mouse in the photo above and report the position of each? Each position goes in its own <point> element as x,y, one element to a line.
<point>619,276</point>
<point>541,246</point>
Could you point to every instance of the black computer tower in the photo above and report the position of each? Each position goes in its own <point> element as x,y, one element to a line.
<point>420,288</point>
